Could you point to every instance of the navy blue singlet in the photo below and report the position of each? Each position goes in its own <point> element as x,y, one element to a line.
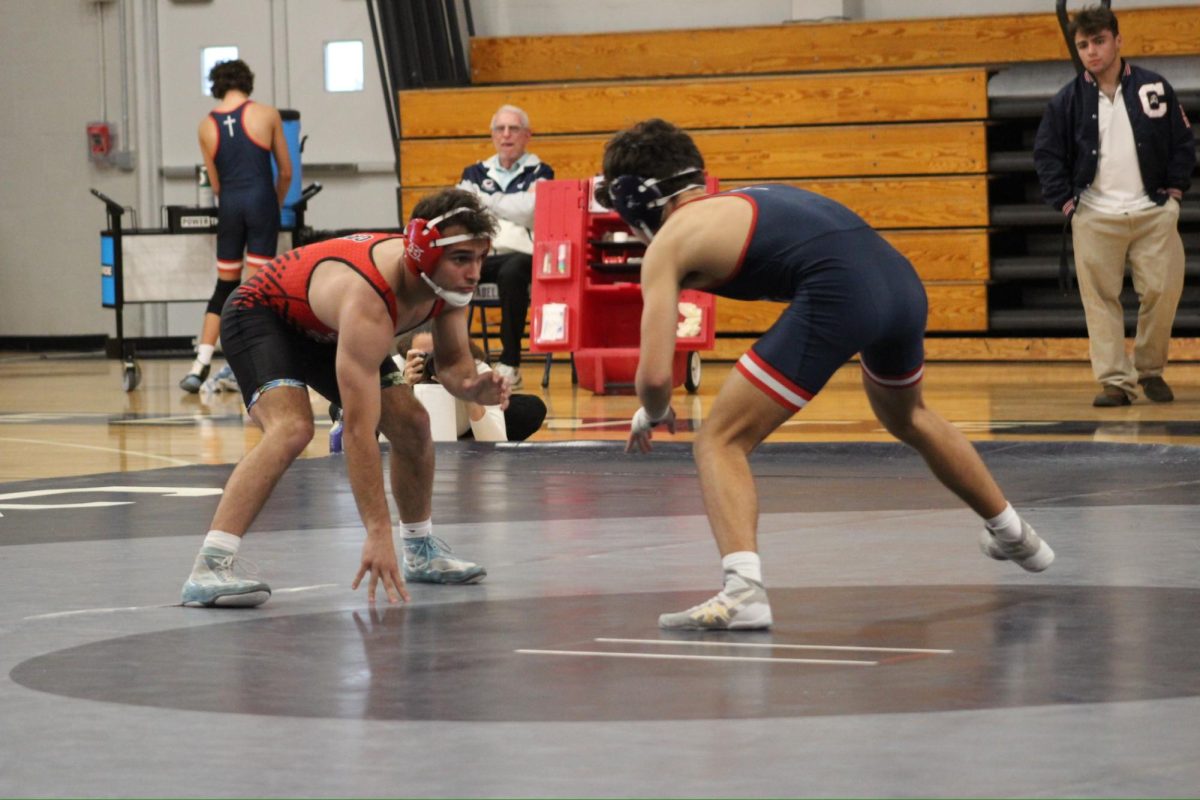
<point>248,212</point>
<point>848,291</point>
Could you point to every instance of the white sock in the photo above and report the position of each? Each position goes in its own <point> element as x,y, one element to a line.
<point>417,530</point>
<point>223,541</point>
<point>204,353</point>
<point>1006,525</point>
<point>745,564</point>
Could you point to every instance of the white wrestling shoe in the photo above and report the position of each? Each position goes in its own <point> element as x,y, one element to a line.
<point>741,606</point>
<point>1029,552</point>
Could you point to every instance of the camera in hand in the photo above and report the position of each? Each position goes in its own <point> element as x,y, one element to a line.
<point>427,360</point>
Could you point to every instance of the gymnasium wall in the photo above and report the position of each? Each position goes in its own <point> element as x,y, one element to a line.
<point>53,81</point>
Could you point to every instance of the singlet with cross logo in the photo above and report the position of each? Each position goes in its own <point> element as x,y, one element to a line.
<point>242,162</point>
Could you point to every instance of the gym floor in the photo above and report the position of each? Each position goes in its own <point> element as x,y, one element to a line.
<point>903,662</point>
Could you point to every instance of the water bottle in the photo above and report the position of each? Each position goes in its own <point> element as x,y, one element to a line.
<point>204,192</point>
<point>335,437</point>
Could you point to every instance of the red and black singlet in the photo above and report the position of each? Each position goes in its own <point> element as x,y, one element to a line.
<point>282,285</point>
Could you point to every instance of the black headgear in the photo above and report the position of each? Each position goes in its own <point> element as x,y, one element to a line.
<point>639,201</point>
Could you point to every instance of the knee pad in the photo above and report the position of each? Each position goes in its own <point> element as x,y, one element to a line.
<point>524,416</point>
<point>220,295</point>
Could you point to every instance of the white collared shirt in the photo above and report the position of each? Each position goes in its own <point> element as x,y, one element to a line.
<point>503,177</point>
<point>1117,187</point>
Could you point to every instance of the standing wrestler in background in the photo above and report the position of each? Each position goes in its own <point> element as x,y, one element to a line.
<point>848,291</point>
<point>237,140</point>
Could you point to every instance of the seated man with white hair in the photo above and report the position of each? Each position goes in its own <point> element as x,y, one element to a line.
<point>506,184</point>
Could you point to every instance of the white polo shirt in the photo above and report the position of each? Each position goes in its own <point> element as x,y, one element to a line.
<point>1117,187</point>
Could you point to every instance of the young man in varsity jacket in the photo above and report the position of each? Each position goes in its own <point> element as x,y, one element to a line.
<point>1115,153</point>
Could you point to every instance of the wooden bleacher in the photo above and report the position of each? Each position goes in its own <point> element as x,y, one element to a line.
<point>836,108</point>
<point>815,47</point>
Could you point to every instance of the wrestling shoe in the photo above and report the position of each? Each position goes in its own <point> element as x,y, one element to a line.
<point>192,382</point>
<point>1029,552</point>
<point>430,560</point>
<point>225,380</point>
<point>212,582</point>
<point>741,605</point>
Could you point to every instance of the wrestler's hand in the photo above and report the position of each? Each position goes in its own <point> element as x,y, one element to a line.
<point>642,425</point>
<point>488,389</point>
<point>379,558</point>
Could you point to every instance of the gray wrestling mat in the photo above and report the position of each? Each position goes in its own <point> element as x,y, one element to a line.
<point>903,662</point>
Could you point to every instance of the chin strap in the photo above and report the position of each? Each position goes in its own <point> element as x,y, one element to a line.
<point>456,299</point>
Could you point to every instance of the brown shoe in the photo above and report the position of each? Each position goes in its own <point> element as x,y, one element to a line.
<point>1112,396</point>
<point>1156,389</point>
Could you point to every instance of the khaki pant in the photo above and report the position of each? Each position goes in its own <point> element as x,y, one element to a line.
<point>1151,243</point>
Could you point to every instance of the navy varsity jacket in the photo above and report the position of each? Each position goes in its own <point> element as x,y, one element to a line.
<point>1067,147</point>
<point>506,192</point>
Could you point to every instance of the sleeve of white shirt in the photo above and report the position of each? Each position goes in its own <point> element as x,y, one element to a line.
<point>490,427</point>
<point>516,207</point>
<point>473,188</point>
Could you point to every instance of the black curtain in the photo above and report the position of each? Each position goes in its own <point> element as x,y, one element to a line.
<point>418,45</point>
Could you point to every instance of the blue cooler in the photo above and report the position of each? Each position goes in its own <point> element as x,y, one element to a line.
<point>291,132</point>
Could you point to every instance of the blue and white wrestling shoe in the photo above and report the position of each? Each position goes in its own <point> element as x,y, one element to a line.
<point>429,560</point>
<point>213,584</point>
<point>226,380</point>
<point>223,381</point>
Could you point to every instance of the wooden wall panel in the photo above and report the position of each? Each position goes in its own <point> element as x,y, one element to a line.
<point>983,348</point>
<point>950,255</point>
<point>838,99</point>
<point>881,44</point>
<point>927,202</point>
<point>958,307</point>
<point>885,203</point>
<point>757,154</point>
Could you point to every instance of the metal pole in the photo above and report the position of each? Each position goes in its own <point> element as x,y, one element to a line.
<point>470,18</point>
<point>390,103</point>
<point>1060,11</point>
<point>114,224</point>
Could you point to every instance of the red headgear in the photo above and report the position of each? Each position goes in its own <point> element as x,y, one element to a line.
<point>425,242</point>
<point>424,247</point>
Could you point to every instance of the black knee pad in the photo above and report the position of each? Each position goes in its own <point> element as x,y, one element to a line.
<point>524,416</point>
<point>220,295</point>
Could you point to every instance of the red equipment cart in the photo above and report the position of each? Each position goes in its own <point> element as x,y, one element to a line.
<point>586,299</point>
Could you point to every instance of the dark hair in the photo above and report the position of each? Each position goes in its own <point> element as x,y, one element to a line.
<point>405,340</point>
<point>231,75</point>
<point>477,220</point>
<point>653,148</point>
<point>1090,20</point>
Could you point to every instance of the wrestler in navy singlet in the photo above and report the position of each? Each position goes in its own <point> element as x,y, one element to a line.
<point>248,214</point>
<point>849,292</point>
